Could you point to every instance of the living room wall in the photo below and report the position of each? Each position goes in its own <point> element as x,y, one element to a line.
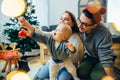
<point>57,8</point>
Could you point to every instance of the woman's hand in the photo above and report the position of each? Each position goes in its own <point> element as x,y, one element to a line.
<point>70,46</point>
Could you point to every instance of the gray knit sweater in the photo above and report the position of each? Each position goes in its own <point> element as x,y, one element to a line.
<point>58,54</point>
<point>76,41</point>
<point>98,44</point>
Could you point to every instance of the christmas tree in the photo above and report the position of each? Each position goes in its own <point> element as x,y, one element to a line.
<point>12,29</point>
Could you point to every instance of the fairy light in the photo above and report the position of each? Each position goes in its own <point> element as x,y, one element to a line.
<point>18,75</point>
<point>13,8</point>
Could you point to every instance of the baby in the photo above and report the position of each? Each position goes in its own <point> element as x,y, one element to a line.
<point>60,49</point>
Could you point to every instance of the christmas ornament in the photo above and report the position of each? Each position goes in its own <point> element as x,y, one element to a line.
<point>22,33</point>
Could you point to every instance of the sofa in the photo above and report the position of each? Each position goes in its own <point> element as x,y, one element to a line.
<point>49,28</point>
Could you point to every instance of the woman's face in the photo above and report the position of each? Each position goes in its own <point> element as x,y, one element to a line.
<point>65,18</point>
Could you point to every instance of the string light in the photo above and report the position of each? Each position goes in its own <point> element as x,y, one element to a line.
<point>13,8</point>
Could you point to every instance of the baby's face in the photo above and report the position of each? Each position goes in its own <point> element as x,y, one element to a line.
<point>59,34</point>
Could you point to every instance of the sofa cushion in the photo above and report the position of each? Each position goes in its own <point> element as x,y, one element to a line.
<point>45,28</point>
<point>52,27</point>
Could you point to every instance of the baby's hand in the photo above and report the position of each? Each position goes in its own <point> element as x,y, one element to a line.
<point>23,22</point>
<point>70,46</point>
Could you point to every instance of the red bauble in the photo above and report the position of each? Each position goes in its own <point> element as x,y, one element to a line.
<point>22,33</point>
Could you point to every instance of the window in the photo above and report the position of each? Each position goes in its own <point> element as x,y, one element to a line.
<point>83,3</point>
<point>113,14</point>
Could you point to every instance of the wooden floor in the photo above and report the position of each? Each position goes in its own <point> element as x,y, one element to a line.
<point>34,64</point>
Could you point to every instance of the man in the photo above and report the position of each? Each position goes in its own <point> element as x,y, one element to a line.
<point>99,59</point>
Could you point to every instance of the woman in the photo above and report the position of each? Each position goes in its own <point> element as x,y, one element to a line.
<point>75,39</point>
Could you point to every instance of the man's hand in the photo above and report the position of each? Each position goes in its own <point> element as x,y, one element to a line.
<point>110,72</point>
